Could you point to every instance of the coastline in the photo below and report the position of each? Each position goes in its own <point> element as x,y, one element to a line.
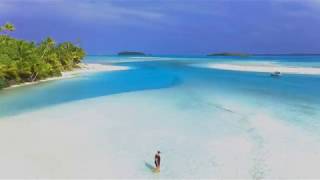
<point>64,123</point>
<point>83,68</point>
<point>263,68</point>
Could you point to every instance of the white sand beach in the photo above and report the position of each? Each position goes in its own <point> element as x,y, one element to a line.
<point>84,68</point>
<point>114,140</point>
<point>262,68</point>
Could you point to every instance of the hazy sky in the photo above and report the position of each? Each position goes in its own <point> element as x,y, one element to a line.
<point>170,26</point>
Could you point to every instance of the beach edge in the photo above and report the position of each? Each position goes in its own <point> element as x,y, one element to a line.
<point>83,69</point>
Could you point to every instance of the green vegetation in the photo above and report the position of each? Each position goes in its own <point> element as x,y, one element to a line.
<point>131,53</point>
<point>22,61</point>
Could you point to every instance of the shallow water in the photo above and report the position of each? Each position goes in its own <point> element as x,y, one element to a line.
<point>207,123</point>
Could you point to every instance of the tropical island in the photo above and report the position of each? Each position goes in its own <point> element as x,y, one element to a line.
<point>23,61</point>
<point>228,54</point>
<point>131,53</point>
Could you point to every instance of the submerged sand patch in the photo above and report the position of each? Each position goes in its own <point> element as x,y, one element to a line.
<point>270,68</point>
<point>115,136</point>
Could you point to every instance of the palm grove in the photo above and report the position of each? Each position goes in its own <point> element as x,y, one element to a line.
<point>22,61</point>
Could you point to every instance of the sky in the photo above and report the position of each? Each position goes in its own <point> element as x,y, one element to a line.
<point>181,27</point>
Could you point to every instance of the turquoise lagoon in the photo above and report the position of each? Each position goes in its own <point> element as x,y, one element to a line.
<point>208,123</point>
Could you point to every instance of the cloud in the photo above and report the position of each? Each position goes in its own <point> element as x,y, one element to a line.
<point>313,4</point>
<point>84,10</point>
<point>298,8</point>
<point>5,7</point>
<point>119,10</point>
<point>107,11</point>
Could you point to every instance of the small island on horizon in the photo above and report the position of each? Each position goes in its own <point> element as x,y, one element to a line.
<point>131,53</point>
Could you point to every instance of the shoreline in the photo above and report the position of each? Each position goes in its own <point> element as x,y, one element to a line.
<point>83,68</point>
<point>262,68</point>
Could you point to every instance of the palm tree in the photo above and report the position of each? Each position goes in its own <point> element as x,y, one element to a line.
<point>8,27</point>
<point>46,46</point>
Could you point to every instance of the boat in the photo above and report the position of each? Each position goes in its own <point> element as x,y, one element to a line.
<point>276,74</point>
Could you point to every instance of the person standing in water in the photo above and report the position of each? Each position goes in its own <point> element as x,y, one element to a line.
<point>157,159</point>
